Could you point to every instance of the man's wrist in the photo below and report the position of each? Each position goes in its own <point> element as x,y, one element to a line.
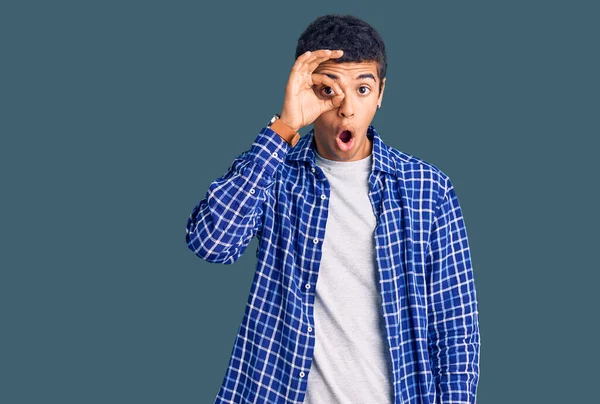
<point>288,122</point>
<point>284,130</point>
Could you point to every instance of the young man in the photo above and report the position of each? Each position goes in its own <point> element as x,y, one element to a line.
<point>364,290</point>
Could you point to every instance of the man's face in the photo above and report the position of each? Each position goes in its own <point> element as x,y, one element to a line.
<point>341,133</point>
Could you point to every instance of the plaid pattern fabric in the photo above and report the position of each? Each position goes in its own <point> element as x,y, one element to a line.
<point>426,282</point>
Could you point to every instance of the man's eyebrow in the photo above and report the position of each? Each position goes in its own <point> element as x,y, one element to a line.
<point>366,76</point>
<point>360,77</point>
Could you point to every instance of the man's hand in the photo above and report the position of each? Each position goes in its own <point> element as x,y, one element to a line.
<point>301,104</point>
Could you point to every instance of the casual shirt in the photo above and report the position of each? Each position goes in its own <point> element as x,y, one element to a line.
<point>422,254</point>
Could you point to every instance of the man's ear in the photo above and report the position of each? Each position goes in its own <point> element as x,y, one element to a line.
<point>381,92</point>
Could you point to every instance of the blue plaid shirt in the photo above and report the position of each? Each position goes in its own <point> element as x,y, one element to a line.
<point>426,285</point>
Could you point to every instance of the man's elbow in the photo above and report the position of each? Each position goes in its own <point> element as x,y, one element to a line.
<point>210,252</point>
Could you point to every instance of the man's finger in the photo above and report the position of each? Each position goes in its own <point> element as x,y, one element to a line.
<point>302,59</point>
<point>320,53</point>
<point>310,60</point>
<point>311,64</point>
<point>320,81</point>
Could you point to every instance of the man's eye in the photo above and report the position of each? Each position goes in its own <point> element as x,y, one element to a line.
<point>363,90</point>
<point>327,91</point>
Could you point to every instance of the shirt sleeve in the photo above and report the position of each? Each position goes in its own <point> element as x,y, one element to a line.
<point>222,224</point>
<point>453,325</point>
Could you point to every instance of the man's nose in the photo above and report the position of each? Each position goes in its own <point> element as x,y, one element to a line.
<point>346,109</point>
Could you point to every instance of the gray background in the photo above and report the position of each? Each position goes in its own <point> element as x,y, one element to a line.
<point>115,117</point>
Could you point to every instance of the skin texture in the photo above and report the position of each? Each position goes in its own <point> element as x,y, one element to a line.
<point>333,97</point>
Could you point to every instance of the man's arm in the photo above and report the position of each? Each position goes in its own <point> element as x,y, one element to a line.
<point>221,225</point>
<point>452,306</point>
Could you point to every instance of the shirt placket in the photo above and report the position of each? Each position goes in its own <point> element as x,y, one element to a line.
<point>316,203</point>
<point>377,198</point>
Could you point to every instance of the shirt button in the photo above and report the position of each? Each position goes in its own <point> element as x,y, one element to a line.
<point>312,170</point>
<point>275,154</point>
<point>316,241</point>
<point>323,197</point>
<point>307,286</point>
<point>301,374</point>
<point>309,328</point>
<point>252,191</point>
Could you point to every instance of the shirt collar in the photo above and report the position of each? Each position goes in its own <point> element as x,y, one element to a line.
<point>382,161</point>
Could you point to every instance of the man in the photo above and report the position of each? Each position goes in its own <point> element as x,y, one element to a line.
<point>393,317</point>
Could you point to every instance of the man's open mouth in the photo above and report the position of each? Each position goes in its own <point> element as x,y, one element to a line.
<point>345,136</point>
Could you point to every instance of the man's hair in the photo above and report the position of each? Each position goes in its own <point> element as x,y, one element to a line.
<point>359,41</point>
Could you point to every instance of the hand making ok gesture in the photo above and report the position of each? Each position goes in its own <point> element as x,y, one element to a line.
<point>302,104</point>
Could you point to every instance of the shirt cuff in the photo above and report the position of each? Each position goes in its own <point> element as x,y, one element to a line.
<point>269,150</point>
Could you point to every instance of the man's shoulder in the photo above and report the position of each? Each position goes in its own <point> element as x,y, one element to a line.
<point>409,166</point>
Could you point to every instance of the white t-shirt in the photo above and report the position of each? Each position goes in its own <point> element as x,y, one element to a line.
<point>352,361</point>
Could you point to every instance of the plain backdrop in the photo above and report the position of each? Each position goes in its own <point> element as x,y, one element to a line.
<point>115,116</point>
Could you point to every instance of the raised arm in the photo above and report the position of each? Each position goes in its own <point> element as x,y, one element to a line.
<point>221,225</point>
<point>452,306</point>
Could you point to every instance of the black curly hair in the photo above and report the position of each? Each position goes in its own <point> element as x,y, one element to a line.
<point>359,40</point>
